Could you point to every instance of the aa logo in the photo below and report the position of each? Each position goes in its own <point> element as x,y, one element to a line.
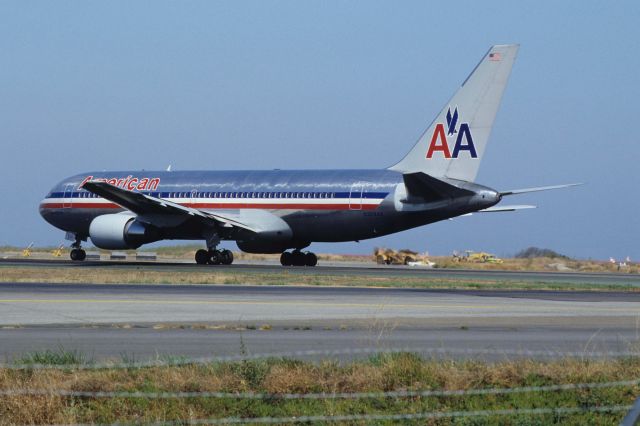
<point>439,139</point>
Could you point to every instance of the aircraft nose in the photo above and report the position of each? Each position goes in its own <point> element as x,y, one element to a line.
<point>45,205</point>
<point>42,207</point>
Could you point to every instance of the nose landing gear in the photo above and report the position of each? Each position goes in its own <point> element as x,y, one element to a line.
<point>77,253</point>
<point>298,258</point>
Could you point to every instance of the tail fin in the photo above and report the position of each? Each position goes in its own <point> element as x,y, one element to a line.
<point>453,144</point>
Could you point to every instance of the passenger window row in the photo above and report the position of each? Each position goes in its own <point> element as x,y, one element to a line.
<point>262,195</point>
<point>86,194</point>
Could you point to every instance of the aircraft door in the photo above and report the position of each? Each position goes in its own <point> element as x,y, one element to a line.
<point>355,196</point>
<point>66,196</point>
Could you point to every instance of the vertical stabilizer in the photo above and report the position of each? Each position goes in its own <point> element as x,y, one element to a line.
<point>453,145</point>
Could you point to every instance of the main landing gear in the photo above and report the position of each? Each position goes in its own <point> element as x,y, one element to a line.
<point>298,258</point>
<point>214,257</point>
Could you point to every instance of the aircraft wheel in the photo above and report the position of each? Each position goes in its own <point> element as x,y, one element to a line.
<point>214,257</point>
<point>226,257</point>
<point>298,258</point>
<point>310,259</point>
<point>202,257</point>
<point>78,254</point>
<point>286,259</point>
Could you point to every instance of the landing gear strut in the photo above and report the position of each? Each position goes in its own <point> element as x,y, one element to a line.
<point>214,257</point>
<point>76,250</point>
<point>298,258</point>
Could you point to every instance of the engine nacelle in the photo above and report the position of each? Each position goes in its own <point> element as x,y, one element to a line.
<point>120,232</point>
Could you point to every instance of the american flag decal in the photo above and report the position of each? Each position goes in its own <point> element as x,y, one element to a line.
<point>495,56</point>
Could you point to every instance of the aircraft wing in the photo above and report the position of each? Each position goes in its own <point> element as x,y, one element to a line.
<point>146,205</point>
<point>536,189</point>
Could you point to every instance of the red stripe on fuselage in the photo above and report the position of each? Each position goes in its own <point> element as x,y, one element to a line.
<point>80,206</point>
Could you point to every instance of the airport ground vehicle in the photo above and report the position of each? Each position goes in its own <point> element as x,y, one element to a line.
<point>384,256</point>
<point>477,257</point>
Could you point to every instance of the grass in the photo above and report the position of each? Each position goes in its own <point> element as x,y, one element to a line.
<point>60,357</point>
<point>385,372</point>
<point>209,275</point>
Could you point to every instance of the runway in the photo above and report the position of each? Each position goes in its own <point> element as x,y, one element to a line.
<point>352,268</point>
<point>142,321</point>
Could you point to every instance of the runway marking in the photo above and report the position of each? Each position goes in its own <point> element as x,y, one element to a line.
<point>306,303</point>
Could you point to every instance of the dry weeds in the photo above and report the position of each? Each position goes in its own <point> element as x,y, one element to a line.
<point>380,373</point>
<point>205,275</point>
<point>187,251</point>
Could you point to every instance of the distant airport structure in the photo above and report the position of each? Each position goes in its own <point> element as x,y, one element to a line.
<point>284,211</point>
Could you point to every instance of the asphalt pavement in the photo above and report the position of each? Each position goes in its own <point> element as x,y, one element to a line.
<point>142,321</point>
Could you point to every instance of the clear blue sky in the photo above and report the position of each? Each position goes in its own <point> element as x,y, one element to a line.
<point>250,85</point>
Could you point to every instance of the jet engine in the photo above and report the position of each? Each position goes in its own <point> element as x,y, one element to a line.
<point>121,232</point>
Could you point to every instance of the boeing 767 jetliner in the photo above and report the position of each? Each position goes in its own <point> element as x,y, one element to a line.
<point>284,211</point>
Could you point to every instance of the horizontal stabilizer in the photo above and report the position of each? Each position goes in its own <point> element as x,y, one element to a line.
<point>536,189</point>
<point>506,208</point>
<point>422,185</point>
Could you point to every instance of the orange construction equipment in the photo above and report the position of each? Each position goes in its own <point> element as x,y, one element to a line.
<point>384,256</point>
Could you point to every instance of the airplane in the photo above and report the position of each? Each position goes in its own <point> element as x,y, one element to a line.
<point>284,211</point>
